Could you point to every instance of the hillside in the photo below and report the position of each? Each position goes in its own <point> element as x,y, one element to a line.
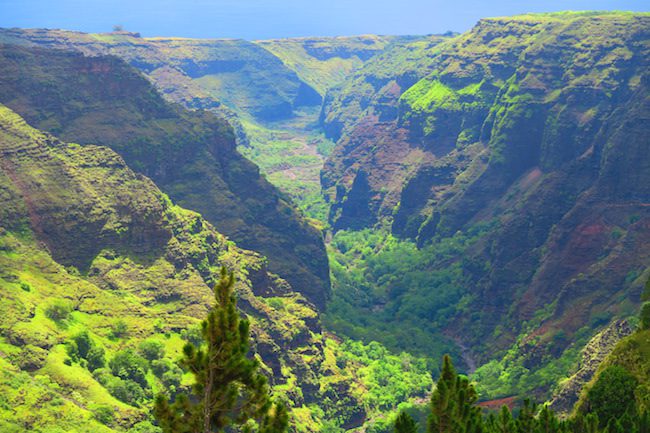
<point>147,285</point>
<point>199,73</point>
<point>148,271</point>
<point>325,62</point>
<point>190,155</point>
<point>516,158</point>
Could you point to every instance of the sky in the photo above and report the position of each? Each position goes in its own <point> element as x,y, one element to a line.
<point>265,19</point>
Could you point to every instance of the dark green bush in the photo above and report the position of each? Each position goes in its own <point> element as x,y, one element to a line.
<point>612,395</point>
<point>104,414</point>
<point>119,329</point>
<point>129,365</point>
<point>96,358</point>
<point>58,311</point>
<point>151,349</point>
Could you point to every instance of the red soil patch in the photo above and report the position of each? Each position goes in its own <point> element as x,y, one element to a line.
<point>496,404</point>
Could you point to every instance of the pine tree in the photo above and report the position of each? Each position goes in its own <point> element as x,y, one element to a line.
<point>453,408</point>
<point>547,422</point>
<point>405,424</point>
<point>526,418</point>
<point>505,423</point>
<point>228,388</point>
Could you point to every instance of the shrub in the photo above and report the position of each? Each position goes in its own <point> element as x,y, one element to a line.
<point>58,311</point>
<point>160,366</point>
<point>104,414</point>
<point>172,379</point>
<point>119,329</point>
<point>127,391</point>
<point>82,349</point>
<point>83,343</point>
<point>129,365</point>
<point>144,427</point>
<point>193,335</point>
<point>151,349</point>
<point>96,358</point>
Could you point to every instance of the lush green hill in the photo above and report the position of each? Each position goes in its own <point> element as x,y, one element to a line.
<point>516,160</point>
<point>325,62</point>
<point>147,270</point>
<point>190,155</point>
<point>144,287</point>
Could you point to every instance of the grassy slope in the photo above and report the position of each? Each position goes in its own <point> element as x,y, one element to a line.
<point>325,62</point>
<point>151,265</point>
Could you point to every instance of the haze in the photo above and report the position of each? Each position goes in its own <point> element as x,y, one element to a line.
<point>262,19</point>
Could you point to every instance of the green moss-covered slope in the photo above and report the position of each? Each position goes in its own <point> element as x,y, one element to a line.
<point>95,256</point>
<point>147,270</point>
<point>190,155</point>
<point>325,62</point>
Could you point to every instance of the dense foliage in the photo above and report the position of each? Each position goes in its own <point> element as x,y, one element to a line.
<point>453,409</point>
<point>388,290</point>
<point>228,388</point>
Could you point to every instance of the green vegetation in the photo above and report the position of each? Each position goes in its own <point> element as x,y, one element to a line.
<point>129,315</point>
<point>290,154</point>
<point>613,394</point>
<point>387,290</point>
<point>191,155</point>
<point>104,280</point>
<point>324,62</point>
<point>228,389</point>
<point>453,409</point>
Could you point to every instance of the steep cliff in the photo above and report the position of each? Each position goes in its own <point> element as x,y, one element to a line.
<point>535,125</point>
<point>190,155</point>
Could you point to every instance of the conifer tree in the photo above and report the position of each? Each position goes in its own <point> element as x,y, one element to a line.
<point>547,421</point>
<point>228,388</point>
<point>453,408</point>
<point>526,418</point>
<point>405,424</point>
<point>505,423</point>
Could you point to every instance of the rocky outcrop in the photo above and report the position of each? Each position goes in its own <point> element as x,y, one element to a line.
<point>593,355</point>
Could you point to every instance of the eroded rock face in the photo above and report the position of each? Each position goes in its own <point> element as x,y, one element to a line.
<point>537,125</point>
<point>593,355</point>
<point>521,88</point>
<point>190,155</point>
